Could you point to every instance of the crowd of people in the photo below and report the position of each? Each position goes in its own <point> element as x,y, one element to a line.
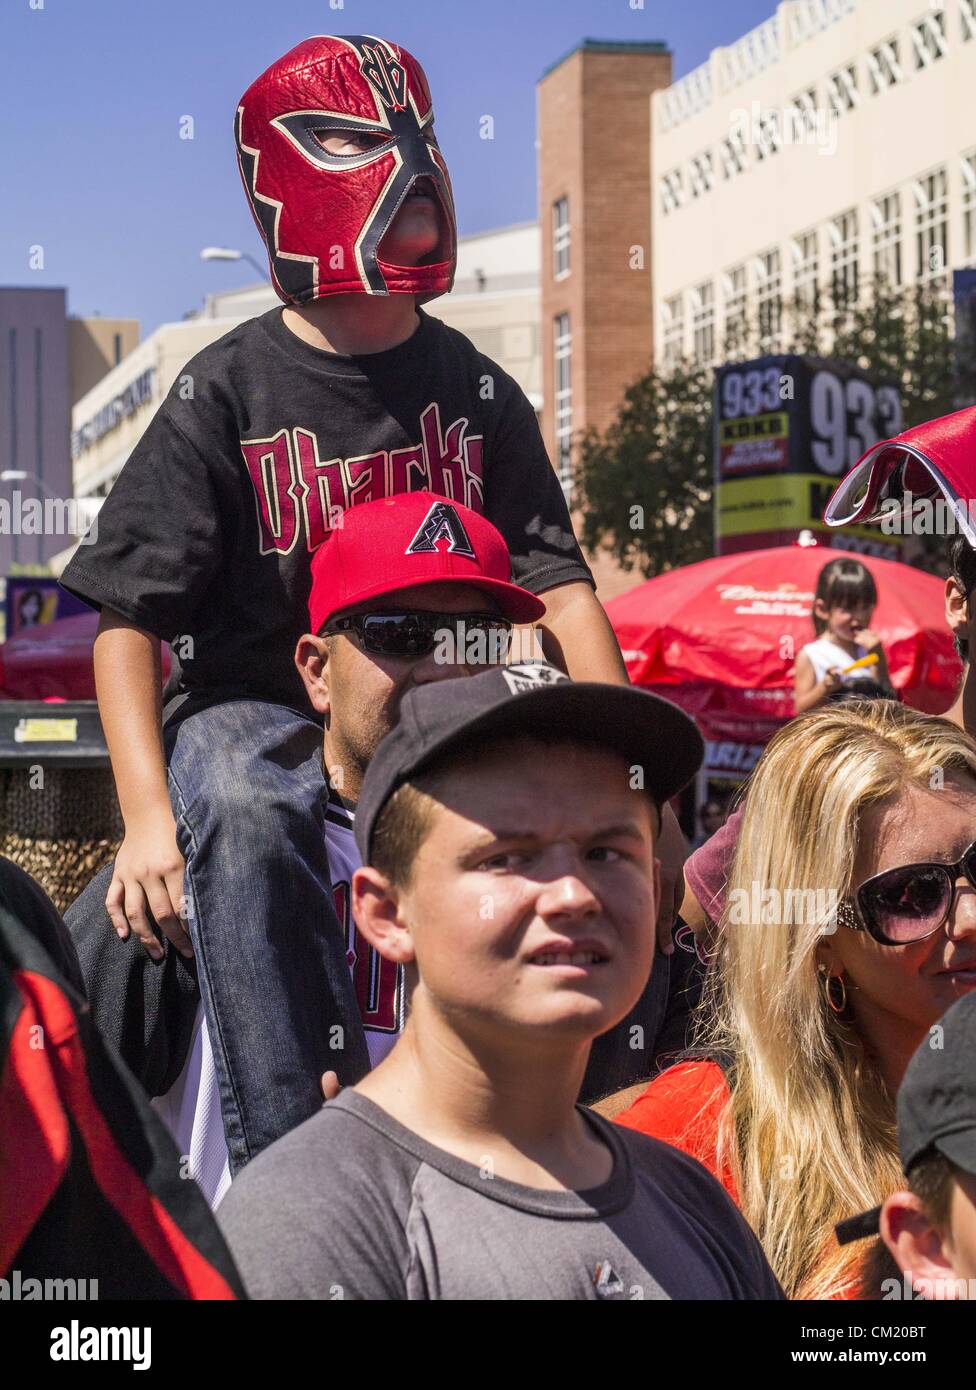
<point>400,985</point>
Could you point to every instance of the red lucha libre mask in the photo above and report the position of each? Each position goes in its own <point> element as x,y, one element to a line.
<point>323,216</point>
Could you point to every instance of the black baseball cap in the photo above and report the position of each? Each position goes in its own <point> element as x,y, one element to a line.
<point>530,698</point>
<point>936,1104</point>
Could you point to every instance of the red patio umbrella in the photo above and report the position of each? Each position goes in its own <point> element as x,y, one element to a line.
<point>720,637</point>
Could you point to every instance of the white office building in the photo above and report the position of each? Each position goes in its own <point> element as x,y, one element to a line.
<point>834,143</point>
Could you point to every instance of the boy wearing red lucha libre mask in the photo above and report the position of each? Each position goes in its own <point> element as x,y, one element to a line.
<point>347,394</point>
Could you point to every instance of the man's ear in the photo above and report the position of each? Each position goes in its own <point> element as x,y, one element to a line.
<point>376,909</point>
<point>916,1245</point>
<point>956,608</point>
<point>312,660</point>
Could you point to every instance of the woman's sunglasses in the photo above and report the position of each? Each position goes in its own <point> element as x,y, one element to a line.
<point>908,903</point>
<point>416,633</point>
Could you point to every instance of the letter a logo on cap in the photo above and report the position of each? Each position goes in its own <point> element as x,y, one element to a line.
<point>440,522</point>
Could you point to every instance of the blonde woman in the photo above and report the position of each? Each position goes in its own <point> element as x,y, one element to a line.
<point>849,928</point>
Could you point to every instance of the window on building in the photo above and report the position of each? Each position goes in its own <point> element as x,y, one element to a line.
<point>842,93</point>
<point>768,136</point>
<point>701,174</point>
<point>929,39</point>
<point>736,315</point>
<point>931,226</point>
<point>806,271</point>
<point>843,259</point>
<point>800,116</point>
<point>886,239</point>
<point>884,68</point>
<point>732,154</point>
<point>560,238</point>
<point>563,355</point>
<point>703,324</point>
<point>769,298</point>
<point>673,330</point>
<point>117,348</point>
<point>672,191</point>
<point>967,9</point>
<point>969,207</point>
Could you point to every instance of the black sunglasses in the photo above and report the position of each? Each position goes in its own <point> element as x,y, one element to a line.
<point>416,632</point>
<point>908,903</point>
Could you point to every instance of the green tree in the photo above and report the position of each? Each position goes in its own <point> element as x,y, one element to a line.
<point>643,486</point>
<point>647,480</point>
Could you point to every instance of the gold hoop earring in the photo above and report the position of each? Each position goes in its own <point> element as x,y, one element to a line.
<point>834,1005</point>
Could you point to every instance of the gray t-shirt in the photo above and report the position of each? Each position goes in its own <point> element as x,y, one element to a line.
<point>351,1204</point>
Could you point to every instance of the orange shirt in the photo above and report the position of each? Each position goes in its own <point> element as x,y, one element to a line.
<point>683,1106</point>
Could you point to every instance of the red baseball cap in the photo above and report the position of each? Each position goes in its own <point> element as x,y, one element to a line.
<point>936,457</point>
<point>413,538</point>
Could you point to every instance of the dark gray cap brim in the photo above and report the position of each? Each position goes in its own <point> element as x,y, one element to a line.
<point>649,732</point>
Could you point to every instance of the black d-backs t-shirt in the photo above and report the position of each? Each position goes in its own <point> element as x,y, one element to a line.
<point>208,533</point>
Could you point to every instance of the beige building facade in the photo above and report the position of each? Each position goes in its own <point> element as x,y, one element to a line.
<point>107,423</point>
<point>834,143</point>
<point>95,346</point>
<point>495,301</point>
<point>109,420</point>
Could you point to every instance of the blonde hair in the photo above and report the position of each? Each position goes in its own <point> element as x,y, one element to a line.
<point>810,1130</point>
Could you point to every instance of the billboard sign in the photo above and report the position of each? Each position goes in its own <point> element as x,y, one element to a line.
<point>787,428</point>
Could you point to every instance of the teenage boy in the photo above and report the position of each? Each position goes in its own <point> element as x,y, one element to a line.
<point>929,1227</point>
<point>349,393</point>
<point>375,635</point>
<point>507,828</point>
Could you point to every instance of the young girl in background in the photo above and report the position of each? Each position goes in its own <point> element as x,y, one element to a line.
<point>843,606</point>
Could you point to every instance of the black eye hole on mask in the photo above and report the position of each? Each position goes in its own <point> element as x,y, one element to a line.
<point>376,140</point>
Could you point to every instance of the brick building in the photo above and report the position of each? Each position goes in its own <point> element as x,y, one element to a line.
<point>594,108</point>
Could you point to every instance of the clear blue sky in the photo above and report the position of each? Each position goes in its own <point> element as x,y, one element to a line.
<point>92,94</point>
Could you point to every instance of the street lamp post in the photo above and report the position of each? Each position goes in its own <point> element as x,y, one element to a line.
<point>225,253</point>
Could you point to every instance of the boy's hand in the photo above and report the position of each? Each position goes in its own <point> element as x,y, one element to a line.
<point>331,1086</point>
<point>148,878</point>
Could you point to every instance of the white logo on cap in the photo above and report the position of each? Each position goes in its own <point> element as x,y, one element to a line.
<point>441,522</point>
<point>529,675</point>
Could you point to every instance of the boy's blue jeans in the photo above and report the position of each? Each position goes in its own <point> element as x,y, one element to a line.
<point>249,797</point>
